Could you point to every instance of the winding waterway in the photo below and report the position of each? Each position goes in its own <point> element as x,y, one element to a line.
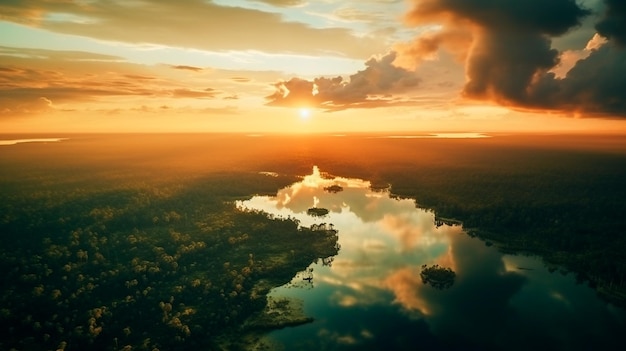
<point>371,297</point>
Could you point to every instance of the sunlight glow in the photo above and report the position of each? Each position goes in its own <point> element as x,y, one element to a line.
<point>305,113</point>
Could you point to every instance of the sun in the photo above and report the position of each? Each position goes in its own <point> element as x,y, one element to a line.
<point>305,113</point>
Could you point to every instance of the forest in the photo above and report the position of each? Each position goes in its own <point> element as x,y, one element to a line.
<point>135,242</point>
<point>92,262</point>
<point>565,205</point>
<point>558,196</point>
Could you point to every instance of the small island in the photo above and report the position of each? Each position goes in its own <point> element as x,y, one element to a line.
<point>334,188</point>
<point>317,211</point>
<point>439,277</point>
<point>278,313</point>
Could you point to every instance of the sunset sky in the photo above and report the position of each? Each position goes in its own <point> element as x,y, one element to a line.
<point>312,65</point>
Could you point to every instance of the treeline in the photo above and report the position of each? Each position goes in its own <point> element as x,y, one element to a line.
<point>560,196</point>
<point>567,207</point>
<point>142,265</point>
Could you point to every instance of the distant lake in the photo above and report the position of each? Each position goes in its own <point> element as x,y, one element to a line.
<point>371,296</point>
<point>35,140</point>
<point>439,136</point>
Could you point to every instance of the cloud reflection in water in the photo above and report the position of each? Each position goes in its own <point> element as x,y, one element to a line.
<point>374,282</point>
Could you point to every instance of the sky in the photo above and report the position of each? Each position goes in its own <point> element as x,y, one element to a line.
<point>312,66</point>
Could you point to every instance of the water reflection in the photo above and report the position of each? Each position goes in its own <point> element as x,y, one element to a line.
<point>440,136</point>
<point>371,296</point>
<point>39,140</point>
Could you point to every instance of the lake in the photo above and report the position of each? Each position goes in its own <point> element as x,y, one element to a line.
<point>371,297</point>
<point>397,242</point>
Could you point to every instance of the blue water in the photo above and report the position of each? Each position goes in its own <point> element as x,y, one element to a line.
<point>371,297</point>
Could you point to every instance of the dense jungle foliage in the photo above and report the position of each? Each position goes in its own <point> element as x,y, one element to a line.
<point>135,242</point>
<point>91,263</point>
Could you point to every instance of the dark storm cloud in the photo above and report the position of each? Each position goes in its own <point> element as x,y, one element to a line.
<point>512,43</point>
<point>370,87</point>
<point>511,54</point>
<point>502,65</point>
<point>613,25</point>
<point>551,17</point>
<point>594,86</point>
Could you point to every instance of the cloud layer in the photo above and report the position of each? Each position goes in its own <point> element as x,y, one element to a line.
<point>510,54</point>
<point>189,24</point>
<point>370,87</point>
<point>527,55</point>
<point>35,80</point>
<point>613,25</point>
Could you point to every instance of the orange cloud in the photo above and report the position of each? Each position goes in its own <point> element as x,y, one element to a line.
<point>426,47</point>
<point>405,283</point>
<point>283,3</point>
<point>188,68</point>
<point>66,78</point>
<point>190,93</point>
<point>408,231</point>
<point>371,87</point>
<point>240,79</point>
<point>28,106</point>
<point>196,24</point>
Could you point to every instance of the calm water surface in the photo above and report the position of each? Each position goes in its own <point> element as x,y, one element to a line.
<point>371,296</point>
<point>38,140</point>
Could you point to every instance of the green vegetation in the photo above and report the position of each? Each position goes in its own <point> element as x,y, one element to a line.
<point>439,277</point>
<point>95,263</point>
<point>558,196</point>
<point>317,211</point>
<point>116,241</point>
<point>334,188</point>
<point>279,313</point>
<point>563,204</point>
